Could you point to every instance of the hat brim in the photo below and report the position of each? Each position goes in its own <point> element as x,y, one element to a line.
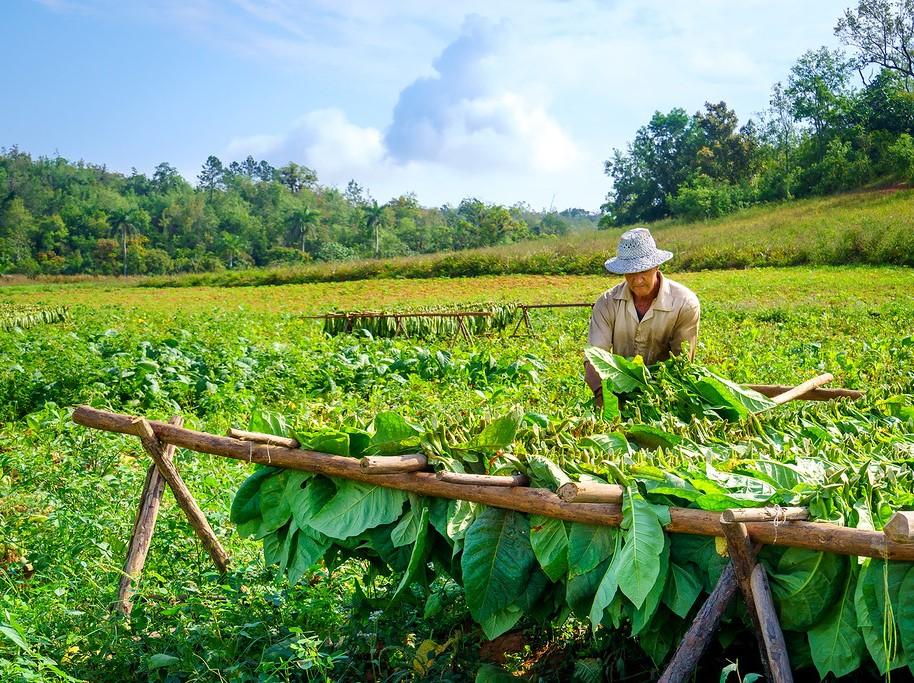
<point>619,266</point>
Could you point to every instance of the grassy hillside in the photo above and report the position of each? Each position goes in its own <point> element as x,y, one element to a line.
<point>868,227</point>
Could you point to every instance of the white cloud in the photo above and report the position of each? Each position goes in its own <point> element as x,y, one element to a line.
<point>461,126</point>
<point>324,140</point>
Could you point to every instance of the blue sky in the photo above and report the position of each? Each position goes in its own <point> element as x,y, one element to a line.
<point>503,100</point>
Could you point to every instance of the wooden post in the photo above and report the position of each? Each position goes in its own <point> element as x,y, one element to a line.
<point>742,554</point>
<point>182,495</point>
<point>773,637</point>
<point>259,437</point>
<point>143,527</point>
<point>700,634</point>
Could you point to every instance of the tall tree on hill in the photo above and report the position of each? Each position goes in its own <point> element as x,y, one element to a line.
<point>882,31</point>
<point>374,217</point>
<point>304,219</point>
<point>296,177</point>
<point>818,88</point>
<point>212,177</point>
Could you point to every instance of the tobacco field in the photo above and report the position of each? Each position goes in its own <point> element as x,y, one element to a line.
<point>338,580</point>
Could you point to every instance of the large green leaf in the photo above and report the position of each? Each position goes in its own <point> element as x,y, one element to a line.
<point>407,529</point>
<point>501,622</point>
<point>588,546</point>
<point>643,615</point>
<point>304,547</point>
<point>549,540</point>
<point>625,375</point>
<point>877,616</point>
<point>245,511</point>
<point>325,441</point>
<point>544,473</point>
<point>905,616</point>
<point>356,507</point>
<point>306,502</point>
<point>721,399</point>
<point>609,585</point>
<point>805,584</point>
<point>393,434</point>
<point>418,557</point>
<point>639,558</point>
<point>580,589</point>
<point>460,514</point>
<point>835,642</point>
<point>500,433</point>
<point>496,561</point>
<point>681,590</point>
<point>274,505</point>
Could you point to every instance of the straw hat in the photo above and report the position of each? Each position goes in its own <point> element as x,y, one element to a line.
<point>637,251</point>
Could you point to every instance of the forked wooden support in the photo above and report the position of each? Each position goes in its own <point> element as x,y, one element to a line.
<point>759,603</point>
<point>745,574</point>
<point>700,634</point>
<point>185,500</point>
<point>143,527</point>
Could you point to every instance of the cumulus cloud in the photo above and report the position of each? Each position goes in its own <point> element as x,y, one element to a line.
<point>460,120</point>
<point>324,139</point>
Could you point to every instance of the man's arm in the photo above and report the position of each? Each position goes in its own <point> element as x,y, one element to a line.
<point>686,330</point>
<point>599,334</point>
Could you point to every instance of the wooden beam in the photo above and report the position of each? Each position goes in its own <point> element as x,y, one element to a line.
<point>195,516</point>
<point>765,514</point>
<point>144,525</point>
<point>590,492</point>
<point>391,464</point>
<point>801,389</point>
<point>818,536</point>
<point>819,394</point>
<point>259,437</point>
<point>700,634</point>
<point>482,479</point>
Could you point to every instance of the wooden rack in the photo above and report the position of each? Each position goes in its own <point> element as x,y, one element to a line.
<point>745,530</point>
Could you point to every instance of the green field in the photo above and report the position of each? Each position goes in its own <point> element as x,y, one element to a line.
<point>215,355</point>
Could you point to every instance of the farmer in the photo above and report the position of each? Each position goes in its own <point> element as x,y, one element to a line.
<point>647,314</point>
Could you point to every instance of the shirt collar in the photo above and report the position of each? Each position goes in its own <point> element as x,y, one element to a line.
<point>663,302</point>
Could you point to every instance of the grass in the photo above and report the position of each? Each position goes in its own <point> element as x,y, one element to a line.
<point>67,494</point>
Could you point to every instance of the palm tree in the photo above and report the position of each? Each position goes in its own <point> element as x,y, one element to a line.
<point>302,219</point>
<point>374,216</point>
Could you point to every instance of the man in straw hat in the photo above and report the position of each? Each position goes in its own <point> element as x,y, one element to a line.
<point>647,315</point>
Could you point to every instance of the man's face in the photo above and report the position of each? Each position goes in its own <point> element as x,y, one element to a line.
<point>642,284</point>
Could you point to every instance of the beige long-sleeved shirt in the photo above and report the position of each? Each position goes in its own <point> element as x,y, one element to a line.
<point>671,320</point>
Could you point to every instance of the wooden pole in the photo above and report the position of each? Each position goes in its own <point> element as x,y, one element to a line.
<point>195,516</point>
<point>900,527</point>
<point>818,536</point>
<point>590,492</point>
<point>482,479</point>
<point>742,556</point>
<point>801,389</point>
<point>390,464</point>
<point>700,634</point>
<point>766,514</point>
<point>258,437</point>
<point>778,661</point>
<point>144,525</point>
<point>818,394</point>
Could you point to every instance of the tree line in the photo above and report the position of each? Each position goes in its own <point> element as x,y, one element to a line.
<point>841,121</point>
<point>62,217</point>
